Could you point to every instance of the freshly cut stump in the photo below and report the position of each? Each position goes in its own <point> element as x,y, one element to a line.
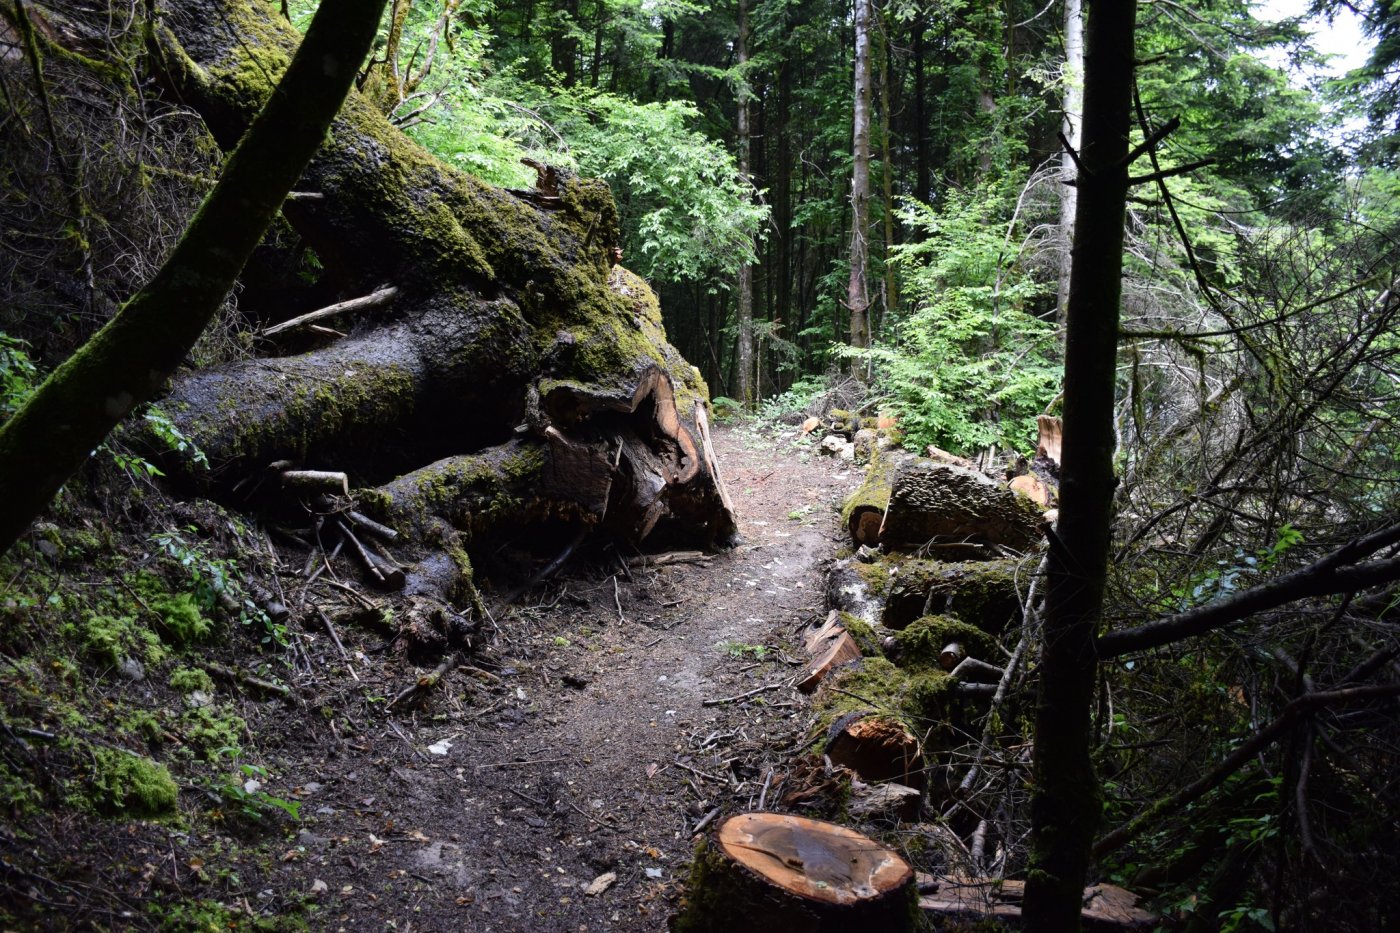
<point>774,871</point>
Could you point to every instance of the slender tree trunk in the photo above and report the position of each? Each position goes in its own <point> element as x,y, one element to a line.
<point>858,290</point>
<point>744,355</point>
<point>922,182</point>
<point>1070,126</point>
<point>1065,808</point>
<point>127,361</point>
<point>891,301</point>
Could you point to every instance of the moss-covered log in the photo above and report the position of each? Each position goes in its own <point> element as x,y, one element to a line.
<point>985,594</point>
<point>864,511</point>
<point>939,507</point>
<point>517,368</point>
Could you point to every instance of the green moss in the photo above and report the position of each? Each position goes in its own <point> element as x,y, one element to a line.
<point>110,640</point>
<point>864,636</point>
<point>143,724</point>
<point>181,620</point>
<point>190,680</point>
<point>981,593</point>
<point>874,492</point>
<point>919,645</point>
<point>929,692</point>
<point>131,785</point>
<point>870,684</point>
<point>209,730</point>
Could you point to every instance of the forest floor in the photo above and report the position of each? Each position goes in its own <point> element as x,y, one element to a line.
<point>557,783</point>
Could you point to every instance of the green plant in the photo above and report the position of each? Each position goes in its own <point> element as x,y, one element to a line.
<point>216,582</point>
<point>973,365</point>
<point>738,649</point>
<point>18,375</point>
<point>243,795</point>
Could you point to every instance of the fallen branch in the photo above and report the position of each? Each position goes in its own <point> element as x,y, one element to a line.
<point>1338,572</point>
<point>744,696</point>
<point>1239,758</point>
<point>419,689</point>
<point>670,557</point>
<point>267,686</point>
<point>308,481</point>
<point>364,303</point>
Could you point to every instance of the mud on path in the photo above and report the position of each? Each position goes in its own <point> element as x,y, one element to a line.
<point>582,747</point>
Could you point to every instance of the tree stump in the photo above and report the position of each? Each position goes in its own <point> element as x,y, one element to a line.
<point>772,871</point>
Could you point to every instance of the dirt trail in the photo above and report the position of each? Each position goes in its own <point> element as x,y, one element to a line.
<point>587,749</point>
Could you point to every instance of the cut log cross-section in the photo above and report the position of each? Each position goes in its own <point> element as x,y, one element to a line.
<point>771,871</point>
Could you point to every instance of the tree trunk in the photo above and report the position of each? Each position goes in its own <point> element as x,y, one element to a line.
<point>513,348</point>
<point>744,384</point>
<point>858,290</point>
<point>891,303</point>
<point>1065,808</point>
<point>125,363</point>
<point>1070,126</point>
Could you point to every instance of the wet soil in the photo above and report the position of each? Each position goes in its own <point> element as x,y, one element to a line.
<point>584,742</point>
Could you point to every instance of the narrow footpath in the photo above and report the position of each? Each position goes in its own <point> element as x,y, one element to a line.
<point>558,786</point>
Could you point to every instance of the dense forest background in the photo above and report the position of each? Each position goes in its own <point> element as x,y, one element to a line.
<point>879,195</point>
<point>725,132</point>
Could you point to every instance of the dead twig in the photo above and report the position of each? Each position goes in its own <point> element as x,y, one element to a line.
<point>753,692</point>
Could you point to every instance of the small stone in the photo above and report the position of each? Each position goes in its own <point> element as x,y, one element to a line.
<point>600,884</point>
<point>132,670</point>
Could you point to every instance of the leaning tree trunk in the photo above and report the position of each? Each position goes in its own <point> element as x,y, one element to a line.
<point>124,364</point>
<point>517,372</point>
<point>1065,806</point>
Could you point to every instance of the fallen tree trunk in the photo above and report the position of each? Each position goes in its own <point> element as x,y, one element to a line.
<point>517,374</point>
<point>772,871</point>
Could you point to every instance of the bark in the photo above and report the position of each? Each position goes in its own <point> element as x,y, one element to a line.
<point>858,289</point>
<point>125,363</point>
<point>945,509</point>
<point>1065,807</point>
<point>517,376</point>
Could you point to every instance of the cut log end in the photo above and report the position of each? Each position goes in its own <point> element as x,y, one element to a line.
<point>777,871</point>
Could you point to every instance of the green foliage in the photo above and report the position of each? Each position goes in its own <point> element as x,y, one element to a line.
<point>972,365</point>
<point>738,649</point>
<point>216,583</point>
<point>243,797</point>
<point>18,375</point>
